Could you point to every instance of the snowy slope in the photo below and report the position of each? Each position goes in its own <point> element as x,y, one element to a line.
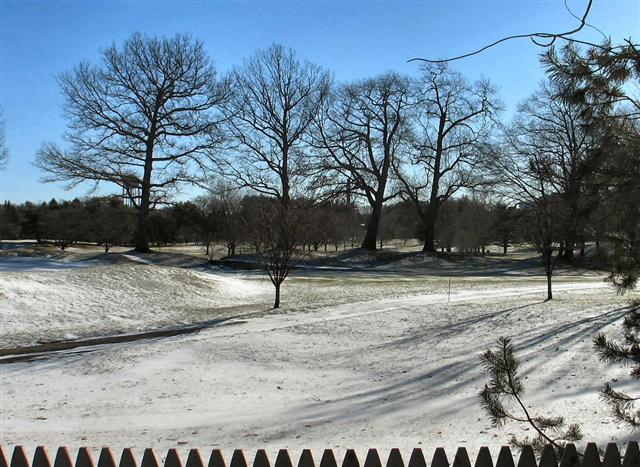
<point>399,371</point>
<point>43,300</point>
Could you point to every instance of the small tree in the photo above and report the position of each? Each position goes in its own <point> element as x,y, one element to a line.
<point>505,387</point>
<point>111,223</point>
<point>65,224</point>
<point>282,235</point>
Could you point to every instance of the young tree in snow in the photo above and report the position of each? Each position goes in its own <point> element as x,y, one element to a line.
<point>521,171</point>
<point>144,119</point>
<point>65,223</point>
<point>359,137</point>
<point>282,235</point>
<point>110,222</point>
<point>225,201</point>
<point>505,225</point>
<point>505,389</point>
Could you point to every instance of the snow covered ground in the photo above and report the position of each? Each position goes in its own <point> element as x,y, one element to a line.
<point>44,300</point>
<point>355,359</point>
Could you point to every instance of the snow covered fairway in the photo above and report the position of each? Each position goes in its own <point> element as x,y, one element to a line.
<point>355,360</point>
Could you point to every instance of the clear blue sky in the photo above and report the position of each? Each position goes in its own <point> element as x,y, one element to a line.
<point>354,39</point>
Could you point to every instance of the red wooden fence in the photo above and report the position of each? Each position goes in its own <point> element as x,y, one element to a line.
<point>570,458</point>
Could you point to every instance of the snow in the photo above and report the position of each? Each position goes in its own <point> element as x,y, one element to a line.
<point>44,300</point>
<point>356,359</point>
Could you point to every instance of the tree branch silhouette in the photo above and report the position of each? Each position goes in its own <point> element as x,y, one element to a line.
<point>538,38</point>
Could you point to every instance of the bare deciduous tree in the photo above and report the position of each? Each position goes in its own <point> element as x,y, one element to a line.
<point>455,121</point>
<point>359,138</point>
<point>143,119</point>
<point>282,236</point>
<point>523,175</point>
<point>566,135</point>
<point>275,98</point>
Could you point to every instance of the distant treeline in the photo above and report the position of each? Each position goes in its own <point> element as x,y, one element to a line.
<point>465,225</point>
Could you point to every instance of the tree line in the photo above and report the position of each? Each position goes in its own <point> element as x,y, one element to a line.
<point>155,115</point>
<point>236,221</point>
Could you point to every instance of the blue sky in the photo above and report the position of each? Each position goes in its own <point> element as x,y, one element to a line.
<point>354,39</point>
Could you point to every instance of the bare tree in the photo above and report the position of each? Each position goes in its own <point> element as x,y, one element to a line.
<point>603,82</point>
<point>226,201</point>
<point>523,176</point>
<point>282,235</point>
<point>455,121</point>
<point>275,98</point>
<point>360,136</point>
<point>111,223</point>
<point>567,135</point>
<point>143,119</point>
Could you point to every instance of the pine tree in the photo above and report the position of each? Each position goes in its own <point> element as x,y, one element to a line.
<point>627,354</point>
<point>505,387</point>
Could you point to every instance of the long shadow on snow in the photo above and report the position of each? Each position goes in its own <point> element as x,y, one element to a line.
<point>37,352</point>
<point>443,380</point>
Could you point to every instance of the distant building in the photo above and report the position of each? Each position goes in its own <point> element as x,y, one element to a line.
<point>131,190</point>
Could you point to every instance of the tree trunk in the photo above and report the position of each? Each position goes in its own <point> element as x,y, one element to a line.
<point>276,304</point>
<point>371,237</point>
<point>547,257</point>
<point>561,250</point>
<point>142,235</point>
<point>429,232</point>
<point>568,250</point>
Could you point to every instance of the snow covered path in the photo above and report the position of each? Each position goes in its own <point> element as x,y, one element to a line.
<point>394,372</point>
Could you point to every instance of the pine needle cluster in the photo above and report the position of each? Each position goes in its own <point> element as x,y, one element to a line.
<point>502,400</point>
<point>624,353</point>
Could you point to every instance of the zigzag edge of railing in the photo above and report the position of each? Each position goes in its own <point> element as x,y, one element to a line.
<point>506,458</point>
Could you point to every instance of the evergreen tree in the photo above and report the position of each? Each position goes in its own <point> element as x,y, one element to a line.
<point>626,353</point>
<point>505,387</point>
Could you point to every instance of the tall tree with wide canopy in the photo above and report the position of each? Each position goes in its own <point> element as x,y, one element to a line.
<point>145,119</point>
<point>275,98</point>
<point>454,122</point>
<point>360,136</point>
